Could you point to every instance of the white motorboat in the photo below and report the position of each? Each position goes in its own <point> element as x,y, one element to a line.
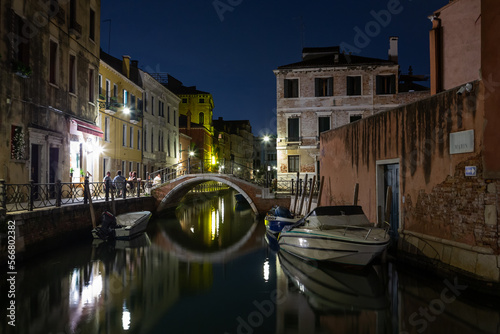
<point>341,234</point>
<point>124,226</point>
<point>279,217</point>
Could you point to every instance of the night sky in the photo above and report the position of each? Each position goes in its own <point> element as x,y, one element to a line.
<point>231,47</point>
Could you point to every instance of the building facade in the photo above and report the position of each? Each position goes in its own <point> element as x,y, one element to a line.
<point>121,113</point>
<point>439,155</point>
<point>48,91</point>
<point>327,90</point>
<point>160,126</point>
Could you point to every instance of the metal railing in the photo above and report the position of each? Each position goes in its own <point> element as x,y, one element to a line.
<point>30,196</point>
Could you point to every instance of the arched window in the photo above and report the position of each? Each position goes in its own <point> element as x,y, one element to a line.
<point>202,118</point>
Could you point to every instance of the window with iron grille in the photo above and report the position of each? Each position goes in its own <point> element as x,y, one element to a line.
<point>293,163</point>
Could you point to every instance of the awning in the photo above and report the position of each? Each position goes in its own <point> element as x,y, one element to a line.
<point>88,128</point>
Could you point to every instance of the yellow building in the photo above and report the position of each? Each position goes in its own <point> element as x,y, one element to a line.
<point>120,110</point>
<point>197,108</point>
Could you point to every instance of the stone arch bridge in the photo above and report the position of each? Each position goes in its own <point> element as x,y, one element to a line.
<point>168,195</point>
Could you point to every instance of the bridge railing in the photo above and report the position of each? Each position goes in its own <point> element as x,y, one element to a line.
<point>198,166</point>
<point>31,196</point>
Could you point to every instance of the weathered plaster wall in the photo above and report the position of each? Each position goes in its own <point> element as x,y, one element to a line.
<point>436,199</point>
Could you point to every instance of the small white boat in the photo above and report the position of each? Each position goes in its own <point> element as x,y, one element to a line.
<point>340,234</point>
<point>124,226</point>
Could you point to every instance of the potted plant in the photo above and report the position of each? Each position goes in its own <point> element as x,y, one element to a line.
<point>21,69</point>
<point>82,176</point>
<point>71,170</point>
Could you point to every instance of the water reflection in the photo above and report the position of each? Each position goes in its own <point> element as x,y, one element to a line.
<point>332,298</point>
<point>209,270</point>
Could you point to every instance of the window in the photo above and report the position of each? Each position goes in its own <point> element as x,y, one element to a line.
<point>132,101</point>
<point>152,140</point>
<point>293,163</point>
<point>92,25</point>
<point>124,133</point>
<point>159,108</point>
<point>106,128</point>
<point>293,129</point>
<point>72,74</point>
<point>99,89</point>
<point>152,105</point>
<point>291,88</point>
<point>123,169</point>
<point>145,139</point>
<point>53,62</point>
<point>91,85</point>
<point>131,137</point>
<point>201,101</point>
<point>125,97</point>
<point>107,93</point>
<point>115,91</point>
<point>184,100</point>
<point>354,85</point>
<point>175,150</point>
<point>17,142</point>
<point>323,124</point>
<point>20,44</point>
<point>323,86</point>
<point>202,118</point>
<point>175,119</point>
<point>138,139</point>
<point>354,118</point>
<point>168,147</point>
<point>168,114</point>
<point>386,84</point>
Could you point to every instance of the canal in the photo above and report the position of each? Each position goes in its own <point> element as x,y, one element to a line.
<point>208,267</point>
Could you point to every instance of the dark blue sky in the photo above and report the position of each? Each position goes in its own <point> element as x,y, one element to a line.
<point>230,47</point>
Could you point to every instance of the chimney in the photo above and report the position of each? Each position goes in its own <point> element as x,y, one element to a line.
<point>126,66</point>
<point>393,49</point>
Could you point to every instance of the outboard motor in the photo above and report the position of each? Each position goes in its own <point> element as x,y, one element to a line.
<point>108,224</point>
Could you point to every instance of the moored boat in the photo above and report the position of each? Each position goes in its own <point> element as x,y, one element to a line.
<point>341,234</point>
<point>124,226</point>
<point>279,217</point>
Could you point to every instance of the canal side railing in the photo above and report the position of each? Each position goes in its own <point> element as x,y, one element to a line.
<point>31,196</point>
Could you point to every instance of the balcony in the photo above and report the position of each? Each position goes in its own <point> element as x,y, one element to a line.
<point>75,29</point>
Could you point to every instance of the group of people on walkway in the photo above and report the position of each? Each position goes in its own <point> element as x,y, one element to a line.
<point>120,183</point>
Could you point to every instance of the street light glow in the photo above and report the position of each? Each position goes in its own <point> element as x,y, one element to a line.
<point>266,138</point>
<point>126,110</point>
<point>191,153</point>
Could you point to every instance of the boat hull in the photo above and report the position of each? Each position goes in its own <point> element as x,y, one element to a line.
<point>129,225</point>
<point>276,224</point>
<point>345,246</point>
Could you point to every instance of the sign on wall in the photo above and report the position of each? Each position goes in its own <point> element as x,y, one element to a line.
<point>462,142</point>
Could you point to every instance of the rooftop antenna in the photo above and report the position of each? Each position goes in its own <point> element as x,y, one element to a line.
<point>109,35</point>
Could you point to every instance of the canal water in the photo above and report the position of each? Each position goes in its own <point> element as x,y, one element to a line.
<point>210,268</point>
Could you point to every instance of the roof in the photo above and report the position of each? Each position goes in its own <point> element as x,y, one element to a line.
<point>117,65</point>
<point>176,87</point>
<point>332,57</point>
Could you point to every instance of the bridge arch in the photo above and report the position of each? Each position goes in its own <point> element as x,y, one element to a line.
<point>182,187</point>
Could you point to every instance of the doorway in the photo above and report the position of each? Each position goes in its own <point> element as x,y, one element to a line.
<point>388,176</point>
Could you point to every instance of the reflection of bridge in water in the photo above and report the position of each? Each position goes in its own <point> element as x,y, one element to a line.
<point>252,240</point>
<point>261,200</point>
